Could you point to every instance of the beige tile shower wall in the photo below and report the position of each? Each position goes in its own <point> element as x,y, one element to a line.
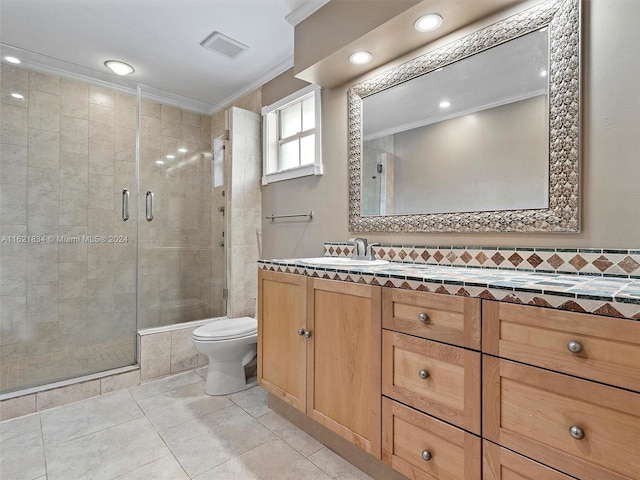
<point>178,249</point>
<point>245,231</point>
<point>68,149</point>
<point>243,167</point>
<point>168,352</point>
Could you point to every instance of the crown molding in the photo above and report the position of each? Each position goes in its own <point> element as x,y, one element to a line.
<point>248,88</point>
<point>53,66</point>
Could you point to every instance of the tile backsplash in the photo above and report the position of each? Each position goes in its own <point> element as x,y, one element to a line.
<point>581,261</point>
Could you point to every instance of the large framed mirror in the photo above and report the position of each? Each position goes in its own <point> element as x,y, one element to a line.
<point>481,135</point>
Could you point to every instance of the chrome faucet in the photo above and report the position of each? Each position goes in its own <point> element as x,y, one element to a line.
<point>362,251</point>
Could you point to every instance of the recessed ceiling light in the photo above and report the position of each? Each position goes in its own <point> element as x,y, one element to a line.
<point>543,73</point>
<point>18,96</point>
<point>12,59</point>
<point>428,23</point>
<point>360,58</point>
<point>118,67</point>
<point>182,150</point>
<point>445,104</point>
<point>159,162</point>
<point>171,156</point>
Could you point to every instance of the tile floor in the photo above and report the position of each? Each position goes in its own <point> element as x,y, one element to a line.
<point>166,429</point>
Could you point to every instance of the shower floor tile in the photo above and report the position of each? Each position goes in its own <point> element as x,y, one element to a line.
<point>119,436</point>
<point>18,374</point>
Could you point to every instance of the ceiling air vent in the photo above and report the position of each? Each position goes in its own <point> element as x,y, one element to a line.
<point>223,45</point>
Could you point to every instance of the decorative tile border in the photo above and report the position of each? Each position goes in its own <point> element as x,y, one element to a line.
<point>581,261</point>
<point>607,296</point>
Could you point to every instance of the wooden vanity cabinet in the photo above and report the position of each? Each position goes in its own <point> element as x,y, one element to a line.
<point>594,347</point>
<point>581,424</point>
<point>431,385</point>
<point>499,463</point>
<point>443,318</point>
<point>319,344</point>
<point>401,375</point>
<point>343,360</point>
<point>583,428</point>
<point>438,379</point>
<point>422,447</point>
<point>282,351</point>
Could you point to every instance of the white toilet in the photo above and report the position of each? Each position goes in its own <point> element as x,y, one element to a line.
<point>231,345</point>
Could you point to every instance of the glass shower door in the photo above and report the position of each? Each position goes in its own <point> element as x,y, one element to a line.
<point>68,259</point>
<point>181,259</point>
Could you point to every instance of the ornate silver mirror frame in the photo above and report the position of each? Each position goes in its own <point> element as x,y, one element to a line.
<point>562,214</point>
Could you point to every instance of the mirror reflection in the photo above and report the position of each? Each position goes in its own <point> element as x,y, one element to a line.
<point>471,136</point>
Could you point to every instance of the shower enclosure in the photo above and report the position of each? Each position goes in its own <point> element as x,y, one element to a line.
<point>109,223</point>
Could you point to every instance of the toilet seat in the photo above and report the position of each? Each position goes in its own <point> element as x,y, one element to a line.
<point>227,329</point>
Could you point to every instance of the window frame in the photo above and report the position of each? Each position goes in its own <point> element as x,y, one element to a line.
<point>271,138</point>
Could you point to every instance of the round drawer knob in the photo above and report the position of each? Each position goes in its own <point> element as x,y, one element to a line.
<point>423,374</point>
<point>307,334</point>
<point>574,347</point>
<point>301,331</point>
<point>423,317</point>
<point>576,432</point>
<point>426,455</point>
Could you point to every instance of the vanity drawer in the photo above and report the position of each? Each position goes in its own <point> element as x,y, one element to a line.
<point>446,318</point>
<point>422,447</point>
<point>438,379</point>
<point>498,463</point>
<point>543,414</point>
<point>608,349</point>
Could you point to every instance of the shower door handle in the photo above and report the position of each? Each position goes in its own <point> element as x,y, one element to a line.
<point>125,205</point>
<point>149,206</point>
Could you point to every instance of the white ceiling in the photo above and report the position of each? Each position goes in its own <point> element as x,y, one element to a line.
<point>161,39</point>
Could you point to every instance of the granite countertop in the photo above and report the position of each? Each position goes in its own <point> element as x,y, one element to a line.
<point>586,291</point>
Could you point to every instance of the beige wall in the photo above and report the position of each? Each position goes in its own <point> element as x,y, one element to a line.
<point>281,86</point>
<point>610,168</point>
<point>339,17</point>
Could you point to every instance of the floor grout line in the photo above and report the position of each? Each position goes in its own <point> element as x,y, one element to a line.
<point>253,400</point>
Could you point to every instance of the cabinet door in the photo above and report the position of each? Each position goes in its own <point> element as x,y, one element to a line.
<point>344,360</point>
<point>282,311</point>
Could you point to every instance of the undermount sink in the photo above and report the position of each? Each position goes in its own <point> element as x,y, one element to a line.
<point>343,262</point>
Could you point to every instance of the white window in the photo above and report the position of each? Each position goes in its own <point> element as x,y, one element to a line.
<point>292,136</point>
